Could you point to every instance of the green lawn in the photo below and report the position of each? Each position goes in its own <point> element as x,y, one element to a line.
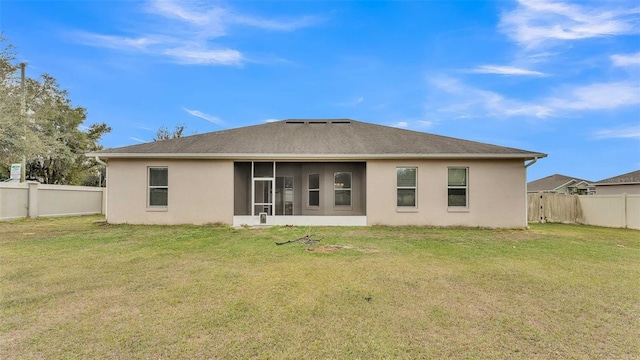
<point>72,288</point>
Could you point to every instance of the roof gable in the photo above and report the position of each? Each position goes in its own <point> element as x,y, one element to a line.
<point>327,138</point>
<point>553,182</point>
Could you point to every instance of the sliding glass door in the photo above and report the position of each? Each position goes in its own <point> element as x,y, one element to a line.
<point>284,195</point>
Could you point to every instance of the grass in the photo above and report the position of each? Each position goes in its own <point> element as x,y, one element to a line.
<point>72,288</point>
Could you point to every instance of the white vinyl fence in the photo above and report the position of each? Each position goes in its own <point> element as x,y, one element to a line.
<point>619,210</point>
<point>31,199</point>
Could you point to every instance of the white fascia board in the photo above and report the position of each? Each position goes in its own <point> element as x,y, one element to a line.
<point>312,157</point>
<point>565,184</point>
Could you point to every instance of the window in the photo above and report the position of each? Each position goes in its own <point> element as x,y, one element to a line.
<point>158,186</point>
<point>457,187</point>
<point>314,189</point>
<point>342,189</point>
<point>407,186</point>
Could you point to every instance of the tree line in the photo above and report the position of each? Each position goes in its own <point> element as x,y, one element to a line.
<point>39,122</point>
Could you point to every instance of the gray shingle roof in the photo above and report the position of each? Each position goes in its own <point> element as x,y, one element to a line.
<point>330,138</point>
<point>551,182</point>
<point>628,178</point>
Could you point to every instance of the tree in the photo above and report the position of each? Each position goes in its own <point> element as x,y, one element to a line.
<point>13,139</point>
<point>48,133</point>
<point>163,133</point>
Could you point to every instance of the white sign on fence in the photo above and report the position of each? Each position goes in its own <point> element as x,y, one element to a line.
<point>16,169</point>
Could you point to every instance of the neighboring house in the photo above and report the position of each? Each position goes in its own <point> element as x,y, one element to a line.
<point>561,184</point>
<point>628,183</point>
<point>317,172</point>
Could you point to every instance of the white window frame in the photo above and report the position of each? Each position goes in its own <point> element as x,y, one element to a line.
<point>310,190</point>
<point>149,187</point>
<point>350,189</point>
<point>415,188</point>
<point>465,187</point>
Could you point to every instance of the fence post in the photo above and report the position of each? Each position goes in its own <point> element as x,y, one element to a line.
<point>32,202</point>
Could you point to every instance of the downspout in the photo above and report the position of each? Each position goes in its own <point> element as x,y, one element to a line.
<point>526,196</point>
<point>106,176</point>
<point>525,165</point>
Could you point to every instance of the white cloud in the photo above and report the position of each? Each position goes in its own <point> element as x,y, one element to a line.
<point>630,132</point>
<point>626,59</point>
<point>535,22</point>
<point>505,70</point>
<point>174,48</point>
<point>142,43</point>
<point>425,124</point>
<point>277,25</point>
<point>598,97</point>
<point>201,115</point>
<point>206,56</point>
<point>194,14</point>
<point>216,18</point>
<point>468,101</point>
<point>401,124</point>
<point>474,102</point>
<point>271,120</point>
<point>194,53</point>
<point>186,31</point>
<point>138,140</point>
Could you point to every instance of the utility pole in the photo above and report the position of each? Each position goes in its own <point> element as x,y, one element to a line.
<point>23,115</point>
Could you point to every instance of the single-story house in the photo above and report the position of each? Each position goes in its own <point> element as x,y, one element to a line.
<point>628,183</point>
<point>317,172</point>
<point>561,184</point>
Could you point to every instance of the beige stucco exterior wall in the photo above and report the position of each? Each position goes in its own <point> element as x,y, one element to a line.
<point>617,189</point>
<point>496,194</point>
<point>200,192</point>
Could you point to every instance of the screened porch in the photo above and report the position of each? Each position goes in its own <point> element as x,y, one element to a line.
<point>296,193</point>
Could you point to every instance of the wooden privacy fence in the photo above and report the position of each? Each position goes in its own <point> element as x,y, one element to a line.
<point>620,210</point>
<point>550,207</point>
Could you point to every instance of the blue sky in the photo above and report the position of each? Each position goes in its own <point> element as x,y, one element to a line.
<point>557,77</point>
